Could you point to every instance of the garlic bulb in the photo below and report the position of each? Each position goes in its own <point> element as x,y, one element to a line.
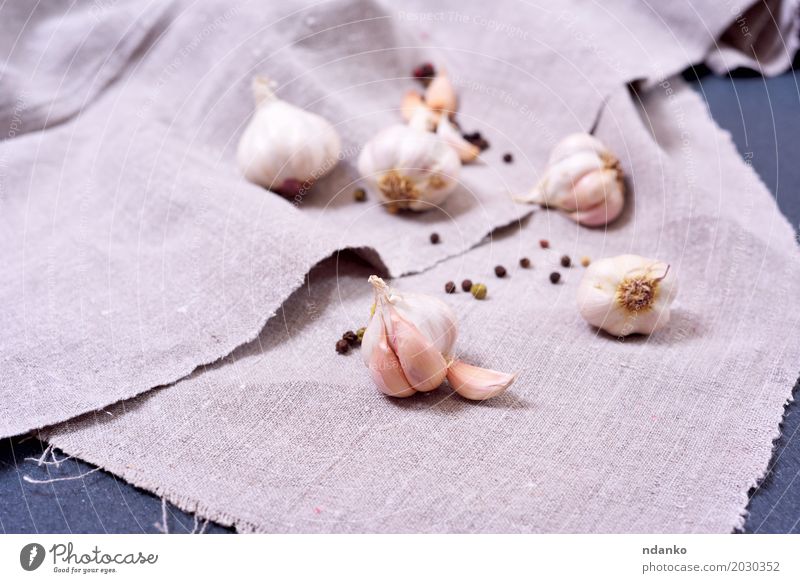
<point>627,294</point>
<point>408,348</point>
<point>584,179</point>
<point>409,167</point>
<point>285,148</point>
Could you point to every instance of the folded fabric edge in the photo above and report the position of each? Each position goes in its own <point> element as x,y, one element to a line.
<point>369,254</point>
<point>782,230</point>
<point>724,57</point>
<point>764,472</point>
<point>43,115</point>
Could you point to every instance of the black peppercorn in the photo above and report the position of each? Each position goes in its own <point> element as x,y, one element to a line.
<point>476,139</point>
<point>450,287</point>
<point>544,243</point>
<point>424,73</point>
<point>342,346</point>
<point>525,263</point>
<point>508,158</point>
<point>500,271</point>
<point>435,238</point>
<point>565,261</point>
<point>555,277</point>
<point>350,337</point>
<point>466,285</point>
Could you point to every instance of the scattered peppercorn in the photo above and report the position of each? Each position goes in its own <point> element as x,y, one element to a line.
<point>424,73</point>
<point>342,346</point>
<point>565,261</point>
<point>476,139</point>
<point>350,337</point>
<point>500,271</point>
<point>360,195</point>
<point>525,263</point>
<point>585,261</point>
<point>555,277</point>
<point>478,290</point>
<point>435,238</point>
<point>360,334</point>
<point>450,287</point>
<point>508,157</point>
<point>544,243</point>
<point>466,285</point>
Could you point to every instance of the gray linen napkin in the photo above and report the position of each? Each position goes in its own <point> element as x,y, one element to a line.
<point>132,250</point>
<point>651,434</point>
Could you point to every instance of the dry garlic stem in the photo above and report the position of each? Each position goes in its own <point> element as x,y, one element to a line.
<point>627,294</point>
<point>450,135</point>
<point>408,348</point>
<point>285,148</point>
<point>584,179</point>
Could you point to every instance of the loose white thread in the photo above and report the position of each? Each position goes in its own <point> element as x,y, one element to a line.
<point>163,527</point>
<point>40,461</point>
<point>51,480</point>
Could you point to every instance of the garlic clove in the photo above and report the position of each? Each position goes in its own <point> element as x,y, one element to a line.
<point>423,119</point>
<point>448,133</point>
<point>382,362</point>
<point>423,365</point>
<point>440,95</point>
<point>610,205</point>
<point>412,105</point>
<point>555,189</point>
<point>475,383</point>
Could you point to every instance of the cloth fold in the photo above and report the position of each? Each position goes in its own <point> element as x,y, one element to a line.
<point>651,434</point>
<point>134,253</point>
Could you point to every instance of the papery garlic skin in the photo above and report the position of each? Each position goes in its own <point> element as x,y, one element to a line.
<point>409,168</point>
<point>627,294</point>
<point>584,179</point>
<point>408,348</point>
<point>285,148</point>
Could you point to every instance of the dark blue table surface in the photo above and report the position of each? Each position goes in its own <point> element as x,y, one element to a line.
<point>763,116</point>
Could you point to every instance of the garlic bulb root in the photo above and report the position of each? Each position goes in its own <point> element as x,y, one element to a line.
<point>408,344</point>
<point>583,179</point>
<point>285,148</point>
<point>627,294</point>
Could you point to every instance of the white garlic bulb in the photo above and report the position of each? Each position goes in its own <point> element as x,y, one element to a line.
<point>408,348</point>
<point>627,294</point>
<point>409,167</point>
<point>584,179</point>
<point>285,148</point>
